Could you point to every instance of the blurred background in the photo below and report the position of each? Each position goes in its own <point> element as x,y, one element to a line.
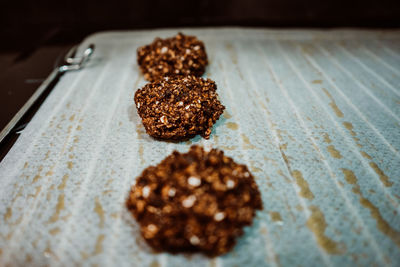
<point>36,34</point>
<point>26,23</point>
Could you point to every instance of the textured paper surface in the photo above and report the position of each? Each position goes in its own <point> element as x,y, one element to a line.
<point>314,114</point>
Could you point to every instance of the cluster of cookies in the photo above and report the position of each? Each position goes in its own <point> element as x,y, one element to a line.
<point>177,103</point>
<point>194,201</point>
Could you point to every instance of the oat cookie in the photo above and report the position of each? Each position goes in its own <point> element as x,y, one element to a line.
<point>179,107</point>
<point>179,55</point>
<point>197,201</point>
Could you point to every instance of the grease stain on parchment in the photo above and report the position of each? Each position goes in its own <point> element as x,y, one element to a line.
<point>333,105</point>
<point>28,258</point>
<point>227,115</point>
<point>317,224</point>
<point>70,165</point>
<point>48,252</point>
<point>275,257</point>
<point>365,155</point>
<point>38,189</point>
<point>255,169</point>
<point>280,172</point>
<point>105,192</point>
<point>132,113</point>
<point>109,182</point>
<point>84,255</point>
<point>228,147</point>
<point>334,152</point>
<point>232,53</point>
<point>141,152</point>
<point>349,127</point>
<point>382,225</point>
<point>47,155</point>
<point>327,139</point>
<point>305,191</point>
<point>232,125</point>
<point>317,82</point>
<point>154,264</point>
<point>50,172</point>
<point>37,177</point>
<point>98,208</point>
<point>63,182</point>
<point>8,214</point>
<point>98,248</point>
<point>246,141</point>
<point>275,216</point>
<point>349,176</point>
<point>382,176</point>
<point>55,231</point>
<point>99,244</point>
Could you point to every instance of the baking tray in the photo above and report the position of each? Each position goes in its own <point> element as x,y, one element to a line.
<point>314,114</point>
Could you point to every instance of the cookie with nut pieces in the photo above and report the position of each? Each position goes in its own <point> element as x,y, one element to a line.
<point>197,201</point>
<point>179,107</point>
<point>179,55</point>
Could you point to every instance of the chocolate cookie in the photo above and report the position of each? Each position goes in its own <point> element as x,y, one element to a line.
<point>196,201</point>
<point>179,55</point>
<point>179,107</point>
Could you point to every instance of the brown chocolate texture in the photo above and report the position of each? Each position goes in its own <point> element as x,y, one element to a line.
<point>179,55</point>
<point>194,201</point>
<point>179,107</point>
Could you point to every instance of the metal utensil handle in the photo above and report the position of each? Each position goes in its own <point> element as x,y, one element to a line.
<point>76,63</point>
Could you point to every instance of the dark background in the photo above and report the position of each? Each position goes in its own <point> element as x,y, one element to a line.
<point>36,34</point>
<point>27,22</point>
